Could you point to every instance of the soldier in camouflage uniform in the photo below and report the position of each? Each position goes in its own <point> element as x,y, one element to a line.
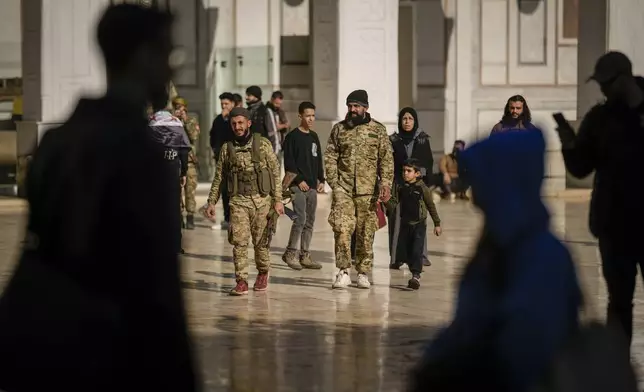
<point>360,169</point>
<point>189,191</point>
<point>252,172</point>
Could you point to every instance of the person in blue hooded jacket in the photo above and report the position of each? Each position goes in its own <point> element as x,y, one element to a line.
<point>518,300</point>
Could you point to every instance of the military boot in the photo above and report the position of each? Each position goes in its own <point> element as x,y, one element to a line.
<point>190,222</point>
<point>306,262</point>
<point>290,258</point>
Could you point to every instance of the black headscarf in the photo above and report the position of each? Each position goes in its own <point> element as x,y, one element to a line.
<point>407,137</point>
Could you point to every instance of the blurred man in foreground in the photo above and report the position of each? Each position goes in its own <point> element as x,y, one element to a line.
<point>95,303</point>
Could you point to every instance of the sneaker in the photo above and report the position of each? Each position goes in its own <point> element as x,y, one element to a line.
<point>261,283</point>
<point>363,281</point>
<point>452,197</point>
<point>306,262</point>
<point>240,289</point>
<point>290,258</point>
<point>426,262</point>
<point>414,282</point>
<point>224,225</point>
<point>342,280</point>
<point>395,266</point>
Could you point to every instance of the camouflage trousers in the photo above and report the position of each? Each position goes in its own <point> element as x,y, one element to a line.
<point>351,214</point>
<point>189,192</point>
<point>249,222</point>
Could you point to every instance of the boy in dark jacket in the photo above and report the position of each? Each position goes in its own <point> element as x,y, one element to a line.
<point>416,202</point>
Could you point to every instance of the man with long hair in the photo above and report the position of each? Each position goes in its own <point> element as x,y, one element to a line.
<point>516,115</point>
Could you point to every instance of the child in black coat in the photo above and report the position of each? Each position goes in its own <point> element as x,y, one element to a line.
<point>416,203</point>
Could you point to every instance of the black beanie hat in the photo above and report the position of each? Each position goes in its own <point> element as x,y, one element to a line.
<point>255,91</point>
<point>358,96</point>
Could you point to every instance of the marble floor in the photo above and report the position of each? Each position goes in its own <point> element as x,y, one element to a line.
<point>303,336</point>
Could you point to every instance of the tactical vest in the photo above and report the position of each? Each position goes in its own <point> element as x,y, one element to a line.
<point>244,182</point>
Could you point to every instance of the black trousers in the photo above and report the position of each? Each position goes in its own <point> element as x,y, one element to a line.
<point>411,240</point>
<point>176,165</point>
<point>619,265</point>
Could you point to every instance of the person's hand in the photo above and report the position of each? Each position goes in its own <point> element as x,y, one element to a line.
<point>438,231</point>
<point>210,212</point>
<point>320,187</point>
<point>304,187</point>
<point>183,181</point>
<point>279,208</point>
<point>385,193</point>
<point>447,179</point>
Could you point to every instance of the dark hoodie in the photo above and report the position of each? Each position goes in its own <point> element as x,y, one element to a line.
<point>609,142</point>
<point>412,144</point>
<point>519,298</point>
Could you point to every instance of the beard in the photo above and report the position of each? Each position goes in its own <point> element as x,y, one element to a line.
<point>243,138</point>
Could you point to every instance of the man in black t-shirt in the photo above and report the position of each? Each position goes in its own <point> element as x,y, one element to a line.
<point>303,165</point>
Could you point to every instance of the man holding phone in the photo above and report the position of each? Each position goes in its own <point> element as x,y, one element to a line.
<point>609,142</point>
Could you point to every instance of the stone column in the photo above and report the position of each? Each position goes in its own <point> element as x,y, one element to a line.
<point>354,46</point>
<point>605,25</point>
<point>60,62</point>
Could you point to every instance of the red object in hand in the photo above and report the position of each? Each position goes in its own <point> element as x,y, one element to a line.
<point>380,213</point>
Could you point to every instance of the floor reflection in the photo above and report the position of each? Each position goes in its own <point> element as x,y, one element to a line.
<point>303,336</point>
<point>248,354</point>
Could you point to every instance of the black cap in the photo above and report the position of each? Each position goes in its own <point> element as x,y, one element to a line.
<point>610,66</point>
<point>360,97</point>
<point>255,91</point>
<point>239,111</point>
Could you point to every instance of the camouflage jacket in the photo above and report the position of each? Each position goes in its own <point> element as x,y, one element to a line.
<point>191,126</point>
<point>243,159</point>
<point>357,157</point>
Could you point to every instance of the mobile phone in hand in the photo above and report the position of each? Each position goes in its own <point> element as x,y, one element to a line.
<point>561,120</point>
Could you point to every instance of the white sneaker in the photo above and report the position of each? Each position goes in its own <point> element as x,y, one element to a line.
<point>216,226</point>
<point>363,281</point>
<point>342,280</point>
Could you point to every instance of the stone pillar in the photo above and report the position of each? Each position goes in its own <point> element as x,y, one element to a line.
<point>355,46</point>
<point>60,61</point>
<point>605,25</point>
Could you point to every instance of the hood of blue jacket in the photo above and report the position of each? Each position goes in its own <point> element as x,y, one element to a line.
<point>506,173</point>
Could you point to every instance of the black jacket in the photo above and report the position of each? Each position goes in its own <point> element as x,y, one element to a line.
<point>96,302</point>
<point>609,142</point>
<point>220,133</point>
<point>421,150</point>
<point>258,115</point>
